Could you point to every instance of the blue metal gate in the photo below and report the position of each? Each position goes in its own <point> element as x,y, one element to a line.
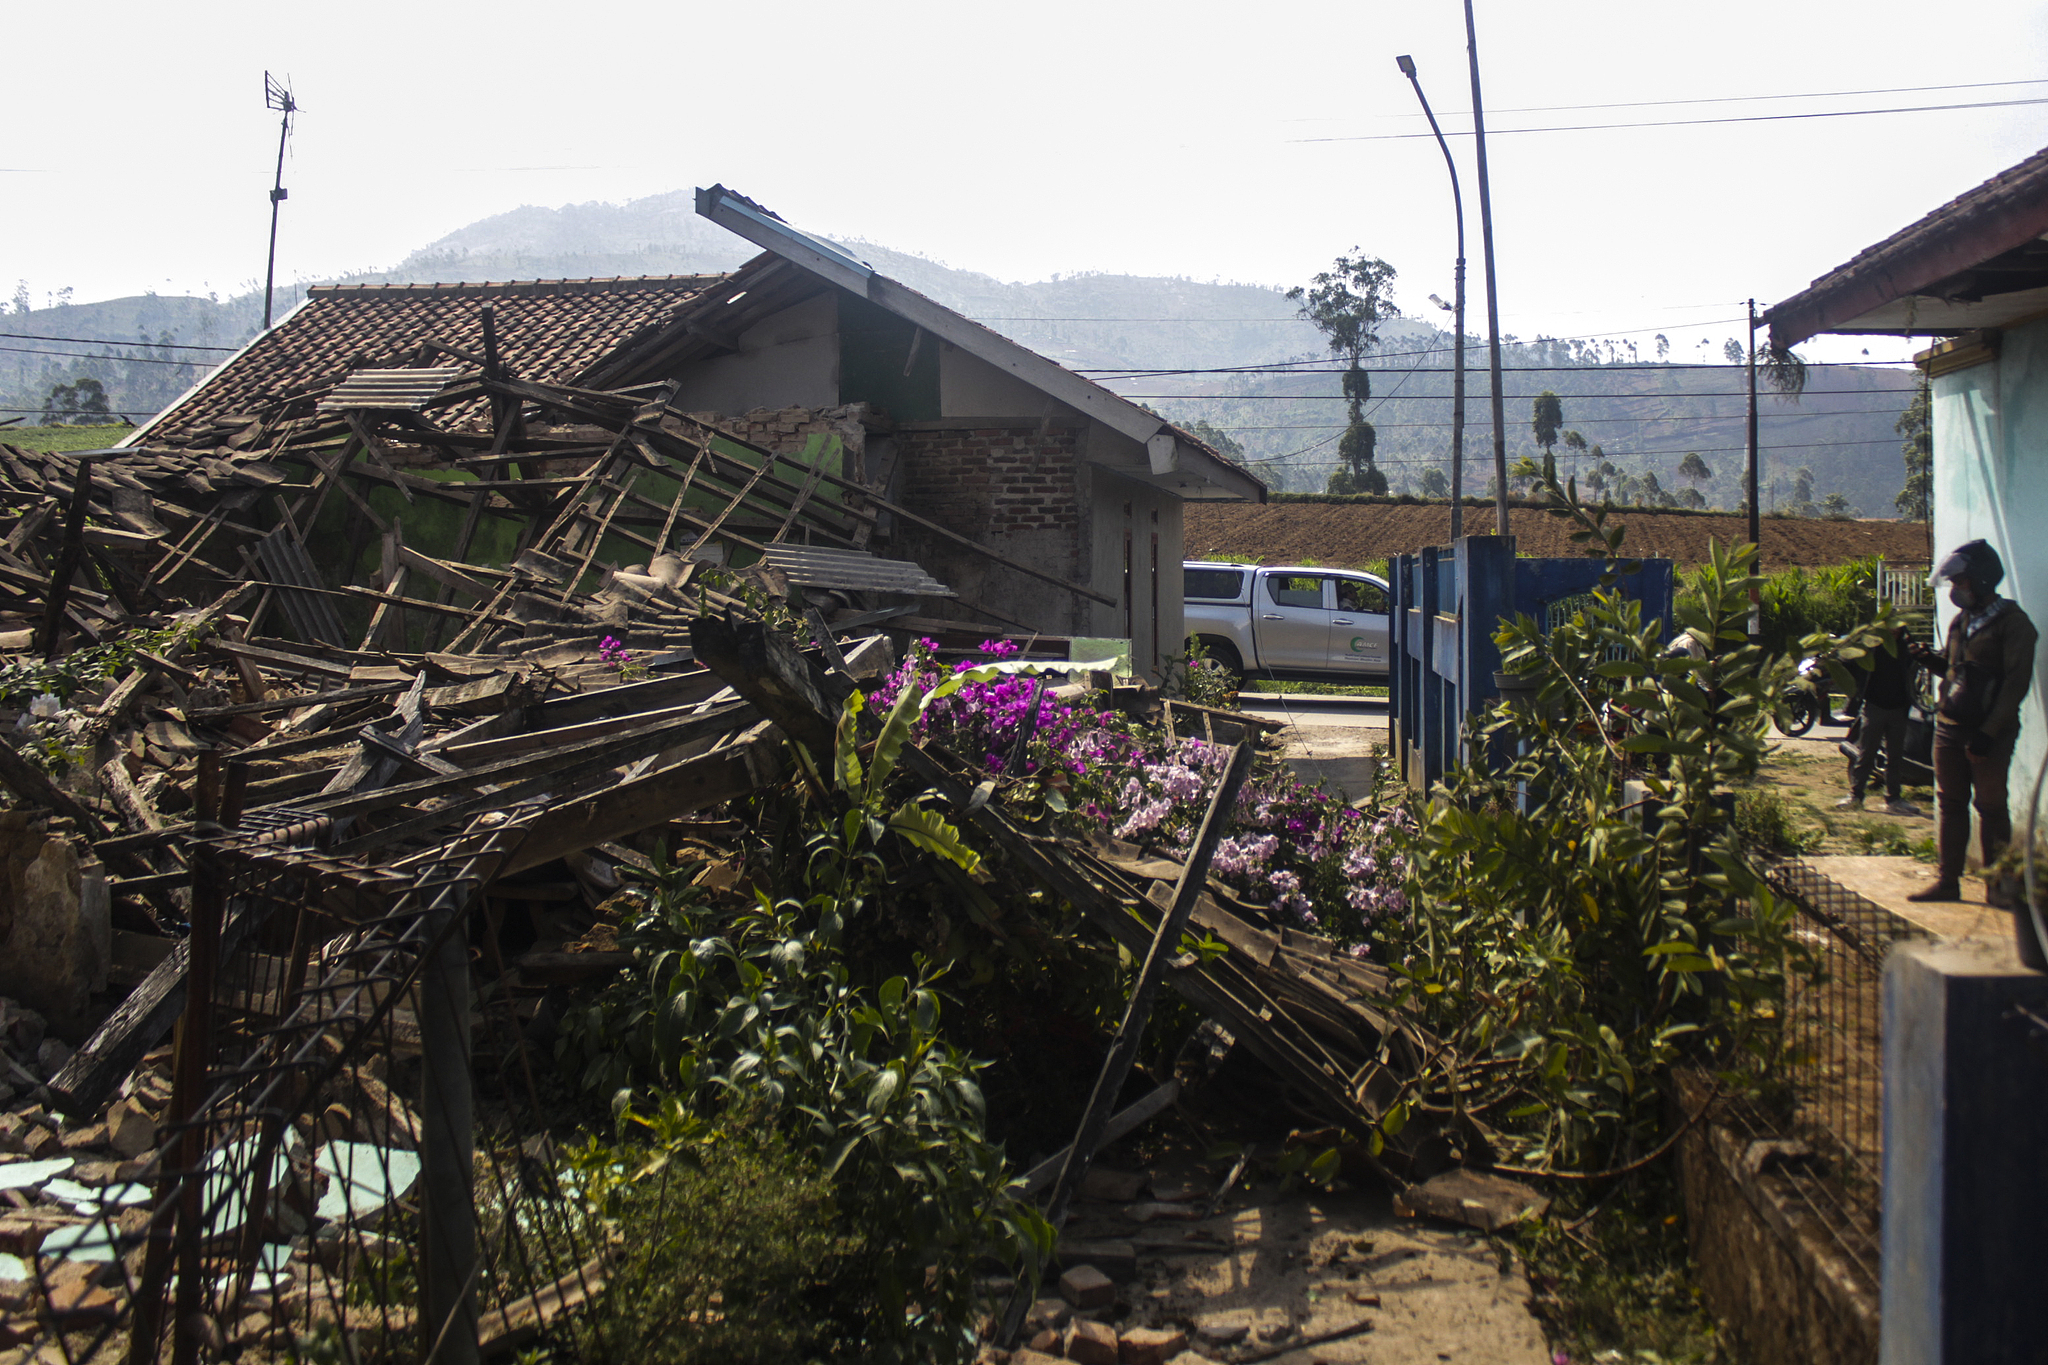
<point>1448,601</point>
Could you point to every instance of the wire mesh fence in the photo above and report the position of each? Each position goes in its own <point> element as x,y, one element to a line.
<point>1821,1119</point>
<point>334,1183</point>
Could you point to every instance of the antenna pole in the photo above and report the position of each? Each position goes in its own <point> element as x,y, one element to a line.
<point>275,97</point>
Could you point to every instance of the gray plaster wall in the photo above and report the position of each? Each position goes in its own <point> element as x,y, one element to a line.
<point>788,360</point>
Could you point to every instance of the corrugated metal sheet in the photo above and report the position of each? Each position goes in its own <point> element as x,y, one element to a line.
<point>388,390</point>
<point>812,566</point>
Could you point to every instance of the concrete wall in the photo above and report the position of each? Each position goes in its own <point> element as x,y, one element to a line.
<point>1147,520</point>
<point>1991,481</point>
<point>788,360</point>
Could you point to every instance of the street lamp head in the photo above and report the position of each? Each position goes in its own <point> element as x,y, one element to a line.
<point>1441,304</point>
<point>1407,65</point>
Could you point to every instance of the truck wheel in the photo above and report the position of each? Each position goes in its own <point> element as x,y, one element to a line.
<point>1224,658</point>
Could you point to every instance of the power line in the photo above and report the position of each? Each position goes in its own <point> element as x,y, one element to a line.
<point>1753,99</point>
<point>1633,367</point>
<point>1439,398</point>
<point>124,359</point>
<point>1562,470</point>
<point>1584,421</point>
<point>1688,122</point>
<point>102,341</point>
<point>111,412</point>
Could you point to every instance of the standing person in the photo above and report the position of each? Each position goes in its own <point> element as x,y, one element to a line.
<point>1986,671</point>
<point>1887,695</point>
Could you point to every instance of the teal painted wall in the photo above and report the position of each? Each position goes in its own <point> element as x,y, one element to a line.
<point>1991,481</point>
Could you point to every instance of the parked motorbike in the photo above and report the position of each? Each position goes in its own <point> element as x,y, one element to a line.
<point>1807,700</point>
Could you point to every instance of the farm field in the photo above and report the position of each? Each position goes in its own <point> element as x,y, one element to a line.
<point>1345,535</point>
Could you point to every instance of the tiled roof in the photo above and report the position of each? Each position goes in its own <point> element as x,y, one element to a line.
<point>550,331</point>
<point>2006,211</point>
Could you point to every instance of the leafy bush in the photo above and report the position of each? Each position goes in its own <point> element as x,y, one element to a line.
<point>1764,822</point>
<point>1570,943</point>
<point>727,1248</point>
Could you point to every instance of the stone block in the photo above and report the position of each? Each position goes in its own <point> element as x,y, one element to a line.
<point>1475,1198</point>
<point>1086,1287</point>
<point>56,931</point>
<point>1118,1259</point>
<point>1091,1343</point>
<point>73,1293</point>
<point>84,1139</point>
<point>1029,1355</point>
<point>131,1130</point>
<point>1151,1345</point>
<point>1051,1312</point>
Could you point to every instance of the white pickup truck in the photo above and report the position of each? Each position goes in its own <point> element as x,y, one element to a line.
<point>1318,625</point>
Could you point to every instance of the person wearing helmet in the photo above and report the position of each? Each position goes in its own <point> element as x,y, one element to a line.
<point>1985,673</point>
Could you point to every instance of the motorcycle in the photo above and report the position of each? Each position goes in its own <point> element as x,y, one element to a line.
<point>1807,700</point>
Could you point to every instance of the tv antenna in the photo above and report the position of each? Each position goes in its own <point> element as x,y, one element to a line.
<point>278,97</point>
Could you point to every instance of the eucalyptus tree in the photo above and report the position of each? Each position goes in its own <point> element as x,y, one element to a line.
<point>1347,303</point>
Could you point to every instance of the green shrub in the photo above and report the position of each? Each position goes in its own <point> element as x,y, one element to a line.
<point>1764,821</point>
<point>728,1249</point>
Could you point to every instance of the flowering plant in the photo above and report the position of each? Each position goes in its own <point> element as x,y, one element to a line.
<point>613,651</point>
<point>1290,847</point>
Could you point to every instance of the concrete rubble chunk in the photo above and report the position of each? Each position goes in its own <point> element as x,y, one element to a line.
<point>1477,1199</point>
<point>1151,1345</point>
<point>1046,1339</point>
<point>73,1293</point>
<point>1091,1343</point>
<point>1027,1355</point>
<point>1116,1259</point>
<point>1217,1332</point>
<point>1086,1287</point>
<point>130,1129</point>
<point>1050,1312</point>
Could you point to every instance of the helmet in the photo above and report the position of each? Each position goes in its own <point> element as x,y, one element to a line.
<point>1976,561</point>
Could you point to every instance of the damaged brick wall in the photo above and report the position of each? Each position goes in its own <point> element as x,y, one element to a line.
<point>1021,487</point>
<point>786,430</point>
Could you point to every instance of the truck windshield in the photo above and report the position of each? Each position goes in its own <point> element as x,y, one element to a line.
<point>1219,584</point>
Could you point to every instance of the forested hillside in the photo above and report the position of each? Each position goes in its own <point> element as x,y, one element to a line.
<point>1645,416</point>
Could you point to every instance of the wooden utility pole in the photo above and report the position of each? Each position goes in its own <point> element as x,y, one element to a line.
<point>1500,421</point>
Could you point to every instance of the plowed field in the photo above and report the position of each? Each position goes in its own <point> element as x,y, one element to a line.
<point>1351,534</point>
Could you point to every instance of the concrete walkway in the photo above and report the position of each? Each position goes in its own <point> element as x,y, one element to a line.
<point>1328,739</point>
<point>1887,881</point>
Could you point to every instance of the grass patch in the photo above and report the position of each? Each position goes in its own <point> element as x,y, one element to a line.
<point>1767,821</point>
<point>1314,689</point>
<point>64,438</point>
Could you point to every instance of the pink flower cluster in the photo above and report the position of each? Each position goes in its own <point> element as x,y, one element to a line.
<point>1292,848</point>
<point>613,651</point>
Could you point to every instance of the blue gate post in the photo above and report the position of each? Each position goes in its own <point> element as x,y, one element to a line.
<point>1429,722</point>
<point>1486,593</point>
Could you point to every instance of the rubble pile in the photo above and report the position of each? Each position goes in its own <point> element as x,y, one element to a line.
<point>189,674</point>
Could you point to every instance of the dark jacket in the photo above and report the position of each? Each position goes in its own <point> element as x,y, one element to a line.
<point>1989,670</point>
<point>1892,676</point>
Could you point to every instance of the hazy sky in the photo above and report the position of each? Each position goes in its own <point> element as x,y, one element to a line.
<point>1027,139</point>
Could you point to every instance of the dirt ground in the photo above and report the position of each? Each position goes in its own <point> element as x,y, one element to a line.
<point>1809,774</point>
<point>1353,534</point>
<point>1270,1268</point>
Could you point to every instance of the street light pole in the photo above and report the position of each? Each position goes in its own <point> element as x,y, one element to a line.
<point>1407,65</point>
<point>1500,420</point>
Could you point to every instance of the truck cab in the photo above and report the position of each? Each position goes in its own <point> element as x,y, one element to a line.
<point>1289,622</point>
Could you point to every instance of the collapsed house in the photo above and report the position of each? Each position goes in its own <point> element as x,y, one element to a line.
<point>347,690</point>
<point>1032,498</point>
